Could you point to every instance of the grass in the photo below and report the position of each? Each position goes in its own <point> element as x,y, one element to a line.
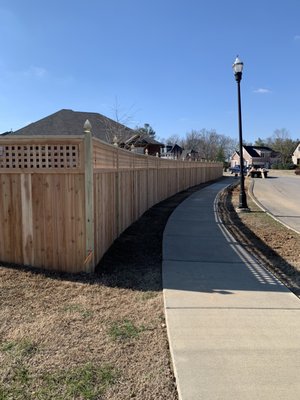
<point>85,334</point>
<point>22,348</point>
<point>77,308</point>
<point>148,295</point>
<point>122,330</point>
<point>16,378</point>
<point>273,244</point>
<point>86,382</point>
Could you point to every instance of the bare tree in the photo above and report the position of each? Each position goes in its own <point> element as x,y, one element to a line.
<point>228,146</point>
<point>207,143</point>
<point>117,129</point>
<point>174,139</point>
<point>210,145</point>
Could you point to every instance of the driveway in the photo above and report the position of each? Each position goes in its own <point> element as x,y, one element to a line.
<point>280,196</point>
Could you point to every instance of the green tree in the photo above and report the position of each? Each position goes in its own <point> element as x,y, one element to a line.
<point>220,155</point>
<point>146,130</point>
<point>283,144</point>
<point>260,142</point>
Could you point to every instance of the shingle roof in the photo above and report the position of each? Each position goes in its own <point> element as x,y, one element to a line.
<point>150,140</point>
<point>251,150</point>
<point>176,147</point>
<point>186,153</point>
<point>69,122</point>
<point>142,139</point>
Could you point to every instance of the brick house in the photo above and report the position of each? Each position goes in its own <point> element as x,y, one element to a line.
<point>258,156</point>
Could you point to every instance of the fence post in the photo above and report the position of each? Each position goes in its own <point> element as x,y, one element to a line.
<point>89,264</point>
<point>27,219</point>
<point>117,194</point>
<point>147,180</point>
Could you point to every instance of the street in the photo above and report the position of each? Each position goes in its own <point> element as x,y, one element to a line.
<point>279,194</point>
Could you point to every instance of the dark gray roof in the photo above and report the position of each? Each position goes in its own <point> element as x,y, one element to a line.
<point>175,148</point>
<point>150,140</point>
<point>186,153</point>
<point>140,139</point>
<point>69,122</point>
<point>251,150</point>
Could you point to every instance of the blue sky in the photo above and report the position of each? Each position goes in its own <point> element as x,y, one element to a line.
<point>163,62</point>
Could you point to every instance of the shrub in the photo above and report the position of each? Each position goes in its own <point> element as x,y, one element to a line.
<point>291,166</point>
<point>283,166</point>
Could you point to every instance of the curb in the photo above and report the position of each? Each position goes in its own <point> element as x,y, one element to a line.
<point>258,203</point>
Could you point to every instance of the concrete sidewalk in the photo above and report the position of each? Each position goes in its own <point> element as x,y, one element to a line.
<point>234,329</point>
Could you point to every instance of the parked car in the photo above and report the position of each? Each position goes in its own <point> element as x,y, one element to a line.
<point>236,169</point>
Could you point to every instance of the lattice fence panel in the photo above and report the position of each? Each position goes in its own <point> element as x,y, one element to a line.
<point>54,156</point>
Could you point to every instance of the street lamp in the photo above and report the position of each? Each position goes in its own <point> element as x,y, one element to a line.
<point>238,69</point>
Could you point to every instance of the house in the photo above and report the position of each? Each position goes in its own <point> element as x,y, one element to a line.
<point>69,122</point>
<point>189,155</point>
<point>172,151</point>
<point>143,144</point>
<point>259,156</point>
<point>177,152</point>
<point>296,155</point>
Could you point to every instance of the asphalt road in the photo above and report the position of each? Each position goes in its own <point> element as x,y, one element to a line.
<point>280,196</point>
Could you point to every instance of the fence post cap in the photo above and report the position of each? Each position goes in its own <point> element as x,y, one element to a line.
<point>87,126</point>
<point>115,141</point>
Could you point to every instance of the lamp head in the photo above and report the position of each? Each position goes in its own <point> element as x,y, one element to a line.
<point>238,68</point>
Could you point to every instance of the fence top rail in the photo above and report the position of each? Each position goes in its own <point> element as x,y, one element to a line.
<point>65,153</point>
<point>16,139</point>
<point>108,156</point>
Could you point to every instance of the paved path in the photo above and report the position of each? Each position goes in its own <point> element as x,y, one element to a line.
<point>280,196</point>
<point>234,330</point>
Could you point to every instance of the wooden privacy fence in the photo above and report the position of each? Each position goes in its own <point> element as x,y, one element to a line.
<point>65,199</point>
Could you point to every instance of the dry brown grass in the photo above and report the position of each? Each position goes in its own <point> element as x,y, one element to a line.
<point>68,323</point>
<point>104,337</point>
<point>90,337</point>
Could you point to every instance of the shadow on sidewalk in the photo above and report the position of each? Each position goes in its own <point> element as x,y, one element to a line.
<point>266,255</point>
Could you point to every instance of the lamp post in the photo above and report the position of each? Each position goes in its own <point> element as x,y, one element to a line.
<point>238,69</point>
